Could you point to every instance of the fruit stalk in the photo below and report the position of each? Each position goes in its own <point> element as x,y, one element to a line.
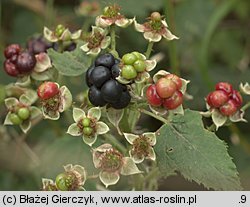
<point>113,40</point>
<point>149,49</point>
<point>154,116</point>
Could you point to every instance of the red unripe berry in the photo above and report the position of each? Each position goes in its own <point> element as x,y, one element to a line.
<point>237,98</point>
<point>228,108</point>
<point>174,101</point>
<point>208,99</point>
<point>10,68</point>
<point>165,87</point>
<point>217,98</point>
<point>152,96</point>
<point>224,86</point>
<point>176,79</point>
<point>47,90</point>
<point>11,50</point>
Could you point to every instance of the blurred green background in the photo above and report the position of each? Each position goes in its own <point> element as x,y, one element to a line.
<point>214,46</point>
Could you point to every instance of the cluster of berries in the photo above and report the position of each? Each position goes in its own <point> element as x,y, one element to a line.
<point>132,64</point>
<point>18,61</point>
<point>103,86</point>
<point>19,114</point>
<point>166,92</point>
<point>49,94</point>
<point>87,126</point>
<point>225,99</point>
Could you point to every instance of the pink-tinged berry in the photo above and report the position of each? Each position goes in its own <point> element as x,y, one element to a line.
<point>11,50</point>
<point>10,68</point>
<point>165,88</point>
<point>174,101</point>
<point>152,96</point>
<point>228,108</point>
<point>217,98</point>
<point>175,79</point>
<point>224,86</point>
<point>208,99</point>
<point>47,90</point>
<point>237,98</point>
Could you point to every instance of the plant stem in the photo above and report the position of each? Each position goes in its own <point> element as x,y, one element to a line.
<point>149,49</point>
<point>246,106</point>
<point>172,49</point>
<point>154,116</point>
<point>113,40</point>
<point>112,140</point>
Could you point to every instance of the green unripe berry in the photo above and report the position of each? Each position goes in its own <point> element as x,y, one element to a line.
<point>87,131</point>
<point>15,119</point>
<point>62,182</point>
<point>23,113</point>
<point>138,55</point>
<point>59,30</point>
<point>85,122</point>
<point>129,59</point>
<point>140,65</point>
<point>128,72</point>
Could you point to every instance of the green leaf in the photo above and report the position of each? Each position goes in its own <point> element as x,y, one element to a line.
<point>70,63</point>
<point>185,146</point>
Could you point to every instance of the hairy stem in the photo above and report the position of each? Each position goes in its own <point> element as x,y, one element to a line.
<point>149,49</point>
<point>154,116</point>
<point>246,106</point>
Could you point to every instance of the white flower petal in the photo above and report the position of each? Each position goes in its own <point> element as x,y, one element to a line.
<point>66,99</point>
<point>159,74</point>
<point>101,22</point>
<point>50,115</point>
<point>89,140</point>
<point>97,30</point>
<point>66,35</point>
<point>25,126</point>
<point>74,130</point>
<point>94,51</point>
<point>78,114</point>
<point>42,62</point>
<point>238,116</point>
<point>151,155</point>
<point>49,35</point>
<point>129,167</point>
<point>123,22</point>
<point>151,137</point>
<point>184,85</point>
<point>139,27</point>
<point>152,37</point>
<point>218,119</point>
<point>150,65</point>
<point>76,35</point>
<point>94,113</point>
<point>105,42</point>
<point>108,178</point>
<point>7,119</point>
<point>135,158</point>
<point>34,112</point>
<point>104,147</point>
<point>143,77</point>
<point>11,102</point>
<point>85,47</point>
<point>245,88</point>
<point>168,35</point>
<point>101,128</point>
<point>130,137</point>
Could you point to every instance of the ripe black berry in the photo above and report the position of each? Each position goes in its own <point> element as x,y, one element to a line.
<point>26,61</point>
<point>11,50</point>
<point>10,68</point>
<point>88,73</point>
<point>111,91</point>
<point>95,97</point>
<point>115,70</point>
<point>38,45</point>
<point>106,60</point>
<point>100,75</point>
<point>123,101</point>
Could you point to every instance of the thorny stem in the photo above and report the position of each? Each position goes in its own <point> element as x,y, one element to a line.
<point>149,49</point>
<point>154,116</point>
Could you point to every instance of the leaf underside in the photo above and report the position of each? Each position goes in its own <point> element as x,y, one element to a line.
<point>184,146</point>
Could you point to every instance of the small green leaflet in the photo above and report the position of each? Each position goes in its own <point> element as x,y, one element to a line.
<point>70,63</point>
<point>199,155</point>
